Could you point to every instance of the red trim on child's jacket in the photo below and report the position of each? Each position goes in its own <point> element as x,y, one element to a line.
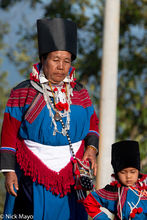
<point>57,183</point>
<point>92,206</point>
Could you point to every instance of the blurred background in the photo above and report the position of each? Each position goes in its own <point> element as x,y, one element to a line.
<point>18,51</point>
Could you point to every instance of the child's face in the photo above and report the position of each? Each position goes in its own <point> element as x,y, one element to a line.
<point>128,176</point>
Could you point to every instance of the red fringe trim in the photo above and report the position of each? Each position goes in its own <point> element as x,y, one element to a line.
<point>57,183</point>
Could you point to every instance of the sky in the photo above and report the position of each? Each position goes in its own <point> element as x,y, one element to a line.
<point>15,17</point>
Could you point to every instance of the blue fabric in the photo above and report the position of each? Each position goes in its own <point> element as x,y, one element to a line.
<point>45,203</point>
<point>16,112</point>
<point>48,206</point>
<point>10,200</point>
<point>133,199</point>
<point>111,205</point>
<point>9,205</point>
<point>101,216</point>
<point>41,130</point>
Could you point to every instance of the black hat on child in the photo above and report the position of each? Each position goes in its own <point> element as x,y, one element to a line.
<point>57,34</point>
<point>125,154</point>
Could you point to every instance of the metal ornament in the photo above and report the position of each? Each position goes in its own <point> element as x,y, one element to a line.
<point>57,116</point>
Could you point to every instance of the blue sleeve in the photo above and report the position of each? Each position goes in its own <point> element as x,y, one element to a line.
<point>101,216</point>
<point>106,198</point>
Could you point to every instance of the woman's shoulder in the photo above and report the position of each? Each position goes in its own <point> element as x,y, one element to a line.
<point>111,188</point>
<point>78,86</point>
<point>23,90</point>
<point>23,84</point>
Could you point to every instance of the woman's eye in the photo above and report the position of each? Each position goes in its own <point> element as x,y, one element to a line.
<point>67,61</point>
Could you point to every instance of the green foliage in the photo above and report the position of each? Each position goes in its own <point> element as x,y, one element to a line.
<point>132,78</point>
<point>89,16</point>
<point>3,75</point>
<point>3,30</point>
<point>3,93</point>
<point>6,4</point>
<point>3,98</point>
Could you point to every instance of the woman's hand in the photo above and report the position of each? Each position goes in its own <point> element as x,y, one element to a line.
<point>11,181</point>
<point>90,154</point>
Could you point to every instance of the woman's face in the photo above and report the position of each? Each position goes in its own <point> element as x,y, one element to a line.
<point>128,176</point>
<point>56,66</point>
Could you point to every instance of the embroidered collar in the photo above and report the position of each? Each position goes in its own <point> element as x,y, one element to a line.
<point>141,183</point>
<point>140,189</point>
<point>37,75</point>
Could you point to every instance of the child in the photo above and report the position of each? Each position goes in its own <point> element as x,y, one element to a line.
<point>126,197</point>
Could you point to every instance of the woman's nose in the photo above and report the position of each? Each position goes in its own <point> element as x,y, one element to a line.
<point>60,65</point>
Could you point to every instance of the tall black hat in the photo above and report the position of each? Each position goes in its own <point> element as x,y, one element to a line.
<point>57,34</point>
<point>125,154</point>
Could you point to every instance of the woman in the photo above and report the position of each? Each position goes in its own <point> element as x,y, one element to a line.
<point>48,122</point>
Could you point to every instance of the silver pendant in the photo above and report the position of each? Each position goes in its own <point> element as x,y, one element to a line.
<point>57,116</point>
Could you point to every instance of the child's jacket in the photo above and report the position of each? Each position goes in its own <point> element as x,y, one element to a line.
<point>125,203</point>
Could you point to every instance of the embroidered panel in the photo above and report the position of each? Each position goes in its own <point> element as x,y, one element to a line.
<point>107,194</point>
<point>81,98</point>
<point>20,97</point>
<point>35,108</point>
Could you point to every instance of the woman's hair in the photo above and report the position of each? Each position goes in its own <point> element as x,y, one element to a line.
<point>44,56</point>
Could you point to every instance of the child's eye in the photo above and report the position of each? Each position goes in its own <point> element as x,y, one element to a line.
<point>133,171</point>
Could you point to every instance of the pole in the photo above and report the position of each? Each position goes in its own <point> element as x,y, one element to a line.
<point>108,94</point>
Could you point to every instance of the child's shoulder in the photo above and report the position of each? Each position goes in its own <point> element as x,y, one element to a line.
<point>111,188</point>
<point>142,178</point>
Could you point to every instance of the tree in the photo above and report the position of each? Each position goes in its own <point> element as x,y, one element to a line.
<point>132,78</point>
<point>131,105</point>
<point>3,74</point>
<point>132,93</point>
<point>3,98</point>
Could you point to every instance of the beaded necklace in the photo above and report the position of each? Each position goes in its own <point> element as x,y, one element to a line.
<point>54,113</point>
<point>60,102</point>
